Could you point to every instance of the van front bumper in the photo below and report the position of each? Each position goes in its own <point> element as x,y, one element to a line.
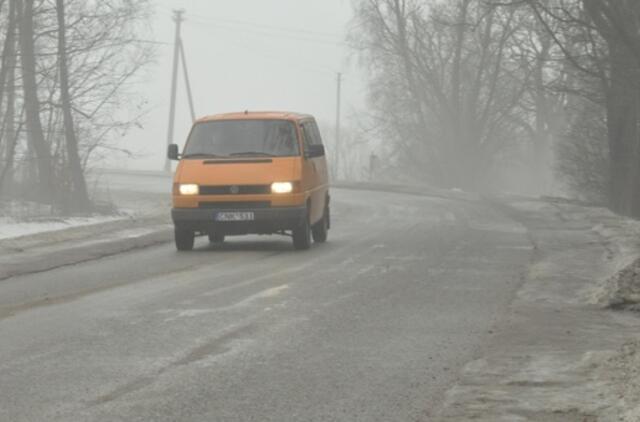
<point>267,220</point>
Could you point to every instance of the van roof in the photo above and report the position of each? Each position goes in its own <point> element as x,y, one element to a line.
<point>255,115</point>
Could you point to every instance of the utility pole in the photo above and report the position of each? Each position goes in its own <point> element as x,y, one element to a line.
<point>338,106</point>
<point>178,17</point>
<point>186,81</point>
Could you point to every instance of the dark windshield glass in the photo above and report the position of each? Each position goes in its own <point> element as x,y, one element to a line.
<point>243,137</point>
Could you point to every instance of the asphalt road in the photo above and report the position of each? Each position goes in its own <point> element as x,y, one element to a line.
<point>372,326</point>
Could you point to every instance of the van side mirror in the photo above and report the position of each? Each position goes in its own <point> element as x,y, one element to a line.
<point>173,152</point>
<point>314,151</point>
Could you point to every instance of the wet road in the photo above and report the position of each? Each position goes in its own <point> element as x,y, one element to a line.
<point>372,326</point>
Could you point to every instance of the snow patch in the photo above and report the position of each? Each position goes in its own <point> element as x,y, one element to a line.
<point>623,289</point>
<point>11,228</point>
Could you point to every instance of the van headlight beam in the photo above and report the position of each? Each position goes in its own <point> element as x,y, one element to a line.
<point>282,187</point>
<point>189,189</point>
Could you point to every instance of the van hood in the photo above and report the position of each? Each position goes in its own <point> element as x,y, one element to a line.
<point>245,171</point>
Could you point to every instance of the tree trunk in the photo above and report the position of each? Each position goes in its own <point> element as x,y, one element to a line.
<point>7,89</point>
<point>622,122</point>
<point>617,22</point>
<point>415,90</point>
<point>459,177</point>
<point>540,169</point>
<point>79,196</point>
<point>8,53</point>
<point>35,134</point>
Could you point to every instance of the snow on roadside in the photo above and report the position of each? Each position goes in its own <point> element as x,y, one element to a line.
<point>12,228</point>
<point>615,372</point>
<point>620,291</point>
<point>621,239</point>
<point>26,218</point>
<point>558,357</point>
<point>622,371</point>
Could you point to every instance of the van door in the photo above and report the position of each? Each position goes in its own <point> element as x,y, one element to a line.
<point>315,171</point>
<point>323,171</point>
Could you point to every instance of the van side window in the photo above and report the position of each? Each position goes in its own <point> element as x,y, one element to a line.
<point>307,133</point>
<point>311,133</point>
<point>316,131</point>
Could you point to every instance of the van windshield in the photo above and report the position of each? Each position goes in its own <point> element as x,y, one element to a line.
<point>230,138</point>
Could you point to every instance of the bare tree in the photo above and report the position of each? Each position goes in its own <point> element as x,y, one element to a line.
<point>79,195</point>
<point>446,87</point>
<point>614,74</point>
<point>619,24</point>
<point>35,134</point>
<point>583,154</point>
<point>77,62</point>
<point>8,135</point>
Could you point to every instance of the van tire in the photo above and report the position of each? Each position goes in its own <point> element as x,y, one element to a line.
<point>302,235</point>
<point>185,239</point>
<point>321,229</point>
<point>216,238</point>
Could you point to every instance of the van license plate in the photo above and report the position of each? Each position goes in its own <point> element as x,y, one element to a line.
<point>235,216</point>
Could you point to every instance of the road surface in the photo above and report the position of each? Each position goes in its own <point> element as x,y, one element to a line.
<point>372,326</point>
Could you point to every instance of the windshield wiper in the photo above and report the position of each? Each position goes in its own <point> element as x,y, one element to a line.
<point>252,153</point>
<point>204,155</point>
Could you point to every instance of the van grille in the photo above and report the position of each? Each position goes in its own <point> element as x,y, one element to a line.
<point>235,205</point>
<point>236,190</point>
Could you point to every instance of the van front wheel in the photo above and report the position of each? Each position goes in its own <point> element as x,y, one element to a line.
<point>302,235</point>
<point>185,239</point>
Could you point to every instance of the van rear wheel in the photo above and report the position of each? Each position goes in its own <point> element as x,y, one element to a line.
<point>184,239</point>
<point>302,235</point>
<point>321,229</point>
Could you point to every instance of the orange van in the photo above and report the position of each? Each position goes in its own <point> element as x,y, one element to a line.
<point>251,173</point>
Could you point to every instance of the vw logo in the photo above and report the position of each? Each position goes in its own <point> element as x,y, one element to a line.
<point>234,190</point>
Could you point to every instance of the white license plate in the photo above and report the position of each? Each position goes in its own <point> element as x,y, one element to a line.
<point>235,216</point>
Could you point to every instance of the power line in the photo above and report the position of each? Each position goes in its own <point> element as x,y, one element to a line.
<point>153,42</point>
<point>274,27</point>
<point>269,33</point>
<point>291,61</point>
<point>208,23</point>
<point>304,31</point>
<point>306,65</point>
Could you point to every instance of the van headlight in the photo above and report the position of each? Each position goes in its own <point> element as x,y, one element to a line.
<point>282,187</point>
<point>189,189</point>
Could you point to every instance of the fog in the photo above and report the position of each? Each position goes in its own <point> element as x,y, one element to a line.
<point>471,95</point>
<point>387,210</point>
<point>245,55</point>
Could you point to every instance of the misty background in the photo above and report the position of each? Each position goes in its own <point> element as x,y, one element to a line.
<point>246,55</point>
<point>534,97</point>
